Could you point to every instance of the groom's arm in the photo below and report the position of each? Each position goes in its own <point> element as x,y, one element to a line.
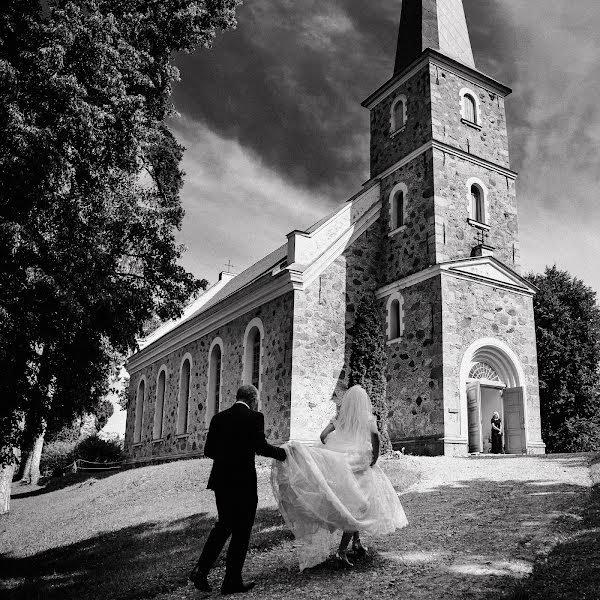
<point>261,446</point>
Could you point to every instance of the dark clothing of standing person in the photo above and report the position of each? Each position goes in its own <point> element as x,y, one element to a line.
<point>496,434</point>
<point>234,437</point>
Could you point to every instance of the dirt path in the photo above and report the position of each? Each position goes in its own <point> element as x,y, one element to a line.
<point>476,527</point>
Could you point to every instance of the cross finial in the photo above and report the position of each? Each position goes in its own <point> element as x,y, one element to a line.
<point>229,266</point>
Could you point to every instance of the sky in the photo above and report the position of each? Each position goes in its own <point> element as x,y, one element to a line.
<point>276,138</point>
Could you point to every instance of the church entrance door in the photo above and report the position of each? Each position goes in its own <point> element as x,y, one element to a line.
<point>514,421</point>
<point>474,416</point>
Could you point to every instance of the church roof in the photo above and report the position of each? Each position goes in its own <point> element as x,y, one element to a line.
<point>290,266</point>
<point>436,24</point>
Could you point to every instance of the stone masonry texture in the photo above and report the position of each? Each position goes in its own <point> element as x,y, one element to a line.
<point>471,312</point>
<point>276,317</point>
<point>324,315</point>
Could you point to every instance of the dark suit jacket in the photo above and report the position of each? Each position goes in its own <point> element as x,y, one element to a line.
<point>234,437</point>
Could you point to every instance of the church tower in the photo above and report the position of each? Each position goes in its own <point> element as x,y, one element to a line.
<point>459,317</point>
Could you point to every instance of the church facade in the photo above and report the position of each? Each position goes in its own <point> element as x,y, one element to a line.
<point>433,234</point>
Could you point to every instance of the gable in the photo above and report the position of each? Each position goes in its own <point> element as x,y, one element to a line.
<point>491,271</point>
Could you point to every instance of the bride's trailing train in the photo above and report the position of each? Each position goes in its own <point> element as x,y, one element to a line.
<point>337,485</point>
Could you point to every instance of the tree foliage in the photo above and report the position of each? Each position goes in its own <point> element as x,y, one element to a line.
<point>368,360</point>
<point>567,320</point>
<point>89,193</point>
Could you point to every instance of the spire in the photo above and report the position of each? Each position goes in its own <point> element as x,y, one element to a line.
<point>437,24</point>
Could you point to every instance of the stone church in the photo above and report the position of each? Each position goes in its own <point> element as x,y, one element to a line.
<point>433,234</point>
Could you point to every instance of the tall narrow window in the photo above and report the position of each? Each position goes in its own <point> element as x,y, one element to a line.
<point>398,209</point>
<point>469,108</point>
<point>398,114</point>
<point>256,360</point>
<point>397,199</point>
<point>477,204</point>
<point>395,320</point>
<point>213,400</point>
<point>159,410</point>
<point>395,317</point>
<point>253,343</point>
<point>139,412</point>
<point>184,397</point>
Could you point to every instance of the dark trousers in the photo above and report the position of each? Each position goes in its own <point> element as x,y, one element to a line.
<point>236,511</point>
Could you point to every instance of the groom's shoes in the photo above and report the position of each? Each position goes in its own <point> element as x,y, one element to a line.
<point>200,580</point>
<point>237,588</point>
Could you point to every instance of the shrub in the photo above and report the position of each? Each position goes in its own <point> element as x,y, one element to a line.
<point>56,458</point>
<point>95,449</point>
<point>578,435</point>
<point>368,360</point>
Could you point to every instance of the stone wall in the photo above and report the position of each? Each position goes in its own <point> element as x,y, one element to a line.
<point>472,311</point>
<point>454,237</point>
<point>415,372</point>
<point>324,314</point>
<point>275,395</point>
<point>389,147</point>
<point>412,248</point>
<point>489,142</point>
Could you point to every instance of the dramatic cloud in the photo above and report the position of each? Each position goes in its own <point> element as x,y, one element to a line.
<point>236,208</point>
<point>276,135</point>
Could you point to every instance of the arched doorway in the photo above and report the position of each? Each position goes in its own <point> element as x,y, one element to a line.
<point>492,380</point>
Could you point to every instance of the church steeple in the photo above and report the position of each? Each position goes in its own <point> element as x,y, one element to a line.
<point>437,24</point>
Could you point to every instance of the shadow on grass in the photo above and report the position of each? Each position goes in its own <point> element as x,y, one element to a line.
<point>133,563</point>
<point>572,569</point>
<point>52,484</point>
<point>468,539</point>
<point>476,538</point>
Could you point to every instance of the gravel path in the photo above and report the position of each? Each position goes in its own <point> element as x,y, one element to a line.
<point>476,527</point>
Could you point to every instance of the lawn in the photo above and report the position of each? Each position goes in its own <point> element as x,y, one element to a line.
<point>509,527</point>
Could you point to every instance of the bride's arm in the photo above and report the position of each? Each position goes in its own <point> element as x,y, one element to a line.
<point>326,432</point>
<point>375,445</point>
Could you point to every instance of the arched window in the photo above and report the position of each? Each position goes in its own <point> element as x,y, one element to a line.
<point>395,317</point>
<point>398,116</point>
<point>215,368</point>
<point>398,207</point>
<point>477,210</point>
<point>470,108</point>
<point>478,203</point>
<point>139,412</point>
<point>159,409</point>
<point>254,341</point>
<point>184,397</point>
<point>253,344</point>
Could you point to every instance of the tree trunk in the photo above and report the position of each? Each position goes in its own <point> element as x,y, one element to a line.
<point>25,469</point>
<point>6,476</point>
<point>31,474</point>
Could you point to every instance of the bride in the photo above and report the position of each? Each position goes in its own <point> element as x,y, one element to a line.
<point>337,485</point>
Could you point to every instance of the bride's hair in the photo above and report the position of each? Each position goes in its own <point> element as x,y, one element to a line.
<point>355,412</point>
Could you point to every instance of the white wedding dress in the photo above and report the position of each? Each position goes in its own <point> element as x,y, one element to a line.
<point>324,488</point>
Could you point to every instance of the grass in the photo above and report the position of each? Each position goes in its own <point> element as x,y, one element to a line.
<point>572,569</point>
<point>136,534</point>
<point>128,535</point>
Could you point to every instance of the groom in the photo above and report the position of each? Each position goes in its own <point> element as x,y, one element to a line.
<point>234,437</point>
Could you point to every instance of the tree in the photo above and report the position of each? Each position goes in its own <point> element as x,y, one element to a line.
<point>89,193</point>
<point>368,360</point>
<point>567,322</point>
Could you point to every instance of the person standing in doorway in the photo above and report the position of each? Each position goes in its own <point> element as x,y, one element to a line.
<point>234,437</point>
<point>497,434</point>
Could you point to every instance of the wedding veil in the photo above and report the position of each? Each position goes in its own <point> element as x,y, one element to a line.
<point>356,412</point>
